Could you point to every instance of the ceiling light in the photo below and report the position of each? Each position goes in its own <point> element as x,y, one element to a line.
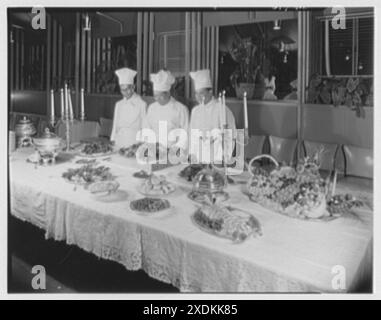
<point>276,25</point>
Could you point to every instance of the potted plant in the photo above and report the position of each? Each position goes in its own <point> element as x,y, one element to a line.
<point>246,54</point>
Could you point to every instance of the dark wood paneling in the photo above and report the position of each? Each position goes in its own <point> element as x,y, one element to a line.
<point>29,102</point>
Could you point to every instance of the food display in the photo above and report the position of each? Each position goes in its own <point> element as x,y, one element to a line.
<point>191,171</point>
<point>156,185</point>
<point>130,151</point>
<point>96,148</point>
<point>87,174</point>
<point>149,205</point>
<point>298,192</point>
<point>104,187</point>
<point>342,203</point>
<point>142,174</point>
<point>201,197</point>
<point>226,222</point>
<point>86,161</point>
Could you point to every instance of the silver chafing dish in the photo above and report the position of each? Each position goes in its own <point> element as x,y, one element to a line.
<point>209,180</point>
<point>48,146</point>
<point>24,131</point>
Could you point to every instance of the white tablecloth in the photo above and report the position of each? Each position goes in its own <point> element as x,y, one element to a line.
<point>291,256</point>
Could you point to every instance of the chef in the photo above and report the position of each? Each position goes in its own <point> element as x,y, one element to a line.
<point>166,115</point>
<point>129,112</point>
<point>206,123</point>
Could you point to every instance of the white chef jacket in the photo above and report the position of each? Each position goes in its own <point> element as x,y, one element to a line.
<point>208,119</point>
<point>176,116</point>
<point>128,120</point>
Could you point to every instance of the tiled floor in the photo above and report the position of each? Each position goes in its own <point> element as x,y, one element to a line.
<point>68,268</point>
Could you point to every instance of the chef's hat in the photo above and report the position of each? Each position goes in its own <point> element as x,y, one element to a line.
<point>162,81</point>
<point>201,79</point>
<point>125,75</point>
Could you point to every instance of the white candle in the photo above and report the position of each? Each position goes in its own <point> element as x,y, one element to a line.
<point>246,121</point>
<point>82,102</point>
<point>334,183</point>
<point>223,109</point>
<point>66,103</point>
<point>62,103</point>
<point>52,104</point>
<point>71,113</point>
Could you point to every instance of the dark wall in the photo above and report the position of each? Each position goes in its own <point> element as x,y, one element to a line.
<point>322,123</point>
<point>29,101</point>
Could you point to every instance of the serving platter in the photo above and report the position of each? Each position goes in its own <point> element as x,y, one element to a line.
<point>256,231</point>
<point>271,206</point>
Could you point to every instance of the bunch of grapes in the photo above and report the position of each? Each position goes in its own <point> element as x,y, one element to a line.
<point>285,196</point>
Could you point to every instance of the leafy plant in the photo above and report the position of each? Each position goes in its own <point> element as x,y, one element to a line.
<point>353,92</point>
<point>247,55</point>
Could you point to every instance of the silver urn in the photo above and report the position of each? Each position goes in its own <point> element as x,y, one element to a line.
<point>24,131</point>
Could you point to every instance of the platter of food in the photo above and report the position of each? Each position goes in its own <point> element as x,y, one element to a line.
<point>87,174</point>
<point>226,222</point>
<point>142,174</point>
<point>107,187</point>
<point>156,185</point>
<point>201,197</point>
<point>148,205</point>
<point>191,171</point>
<point>96,149</point>
<point>130,151</point>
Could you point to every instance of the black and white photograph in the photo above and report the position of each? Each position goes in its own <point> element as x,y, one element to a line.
<point>175,150</point>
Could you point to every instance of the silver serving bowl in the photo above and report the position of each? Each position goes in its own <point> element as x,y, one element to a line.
<point>48,144</point>
<point>209,179</point>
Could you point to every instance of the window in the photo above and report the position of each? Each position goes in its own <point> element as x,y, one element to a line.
<point>350,50</point>
<point>271,48</point>
<point>172,52</point>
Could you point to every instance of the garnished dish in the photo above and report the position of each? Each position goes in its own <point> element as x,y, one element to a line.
<point>149,205</point>
<point>190,171</point>
<point>86,161</point>
<point>87,174</point>
<point>142,174</point>
<point>298,192</point>
<point>156,185</point>
<point>104,187</point>
<point>226,222</point>
<point>130,151</point>
<point>201,197</point>
<point>342,203</point>
<point>96,149</point>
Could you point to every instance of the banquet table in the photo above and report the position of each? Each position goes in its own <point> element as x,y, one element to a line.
<point>292,255</point>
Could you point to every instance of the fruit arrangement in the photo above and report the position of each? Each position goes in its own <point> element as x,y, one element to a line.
<point>88,174</point>
<point>226,222</point>
<point>156,185</point>
<point>149,205</point>
<point>299,192</point>
<point>341,203</point>
<point>190,171</point>
<point>95,148</point>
